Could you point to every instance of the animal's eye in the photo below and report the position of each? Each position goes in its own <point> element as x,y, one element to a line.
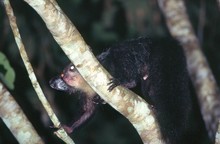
<point>72,68</point>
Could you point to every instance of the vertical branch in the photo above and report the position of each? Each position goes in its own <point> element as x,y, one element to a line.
<point>12,19</point>
<point>206,87</point>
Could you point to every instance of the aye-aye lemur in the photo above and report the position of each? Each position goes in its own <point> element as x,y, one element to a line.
<point>164,80</point>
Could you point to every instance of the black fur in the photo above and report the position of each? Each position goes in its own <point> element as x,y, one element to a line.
<point>166,86</point>
<point>165,83</point>
<point>127,61</point>
<point>169,91</point>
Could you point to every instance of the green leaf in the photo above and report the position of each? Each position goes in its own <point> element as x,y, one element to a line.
<point>7,73</point>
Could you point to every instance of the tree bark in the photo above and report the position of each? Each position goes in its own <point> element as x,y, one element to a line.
<point>127,103</point>
<point>14,118</point>
<point>204,82</point>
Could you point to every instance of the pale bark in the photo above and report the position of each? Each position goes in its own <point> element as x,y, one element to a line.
<point>12,19</point>
<point>123,100</point>
<point>15,119</point>
<point>205,85</point>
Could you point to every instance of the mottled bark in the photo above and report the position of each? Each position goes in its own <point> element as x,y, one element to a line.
<point>12,19</point>
<point>14,118</point>
<point>206,87</point>
<point>123,100</point>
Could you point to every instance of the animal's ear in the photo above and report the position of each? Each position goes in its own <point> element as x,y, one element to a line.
<point>58,84</point>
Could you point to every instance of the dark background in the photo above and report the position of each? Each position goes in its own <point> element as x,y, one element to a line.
<point>101,23</point>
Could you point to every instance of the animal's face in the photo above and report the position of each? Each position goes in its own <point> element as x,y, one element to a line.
<point>69,80</point>
<point>58,84</point>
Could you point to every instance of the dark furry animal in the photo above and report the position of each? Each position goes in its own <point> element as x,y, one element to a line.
<point>164,80</point>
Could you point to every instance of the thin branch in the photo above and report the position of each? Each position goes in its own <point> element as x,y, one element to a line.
<point>201,75</point>
<point>72,43</point>
<point>12,19</point>
<point>15,119</point>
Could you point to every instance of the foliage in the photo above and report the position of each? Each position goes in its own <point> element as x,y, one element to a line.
<point>7,73</point>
